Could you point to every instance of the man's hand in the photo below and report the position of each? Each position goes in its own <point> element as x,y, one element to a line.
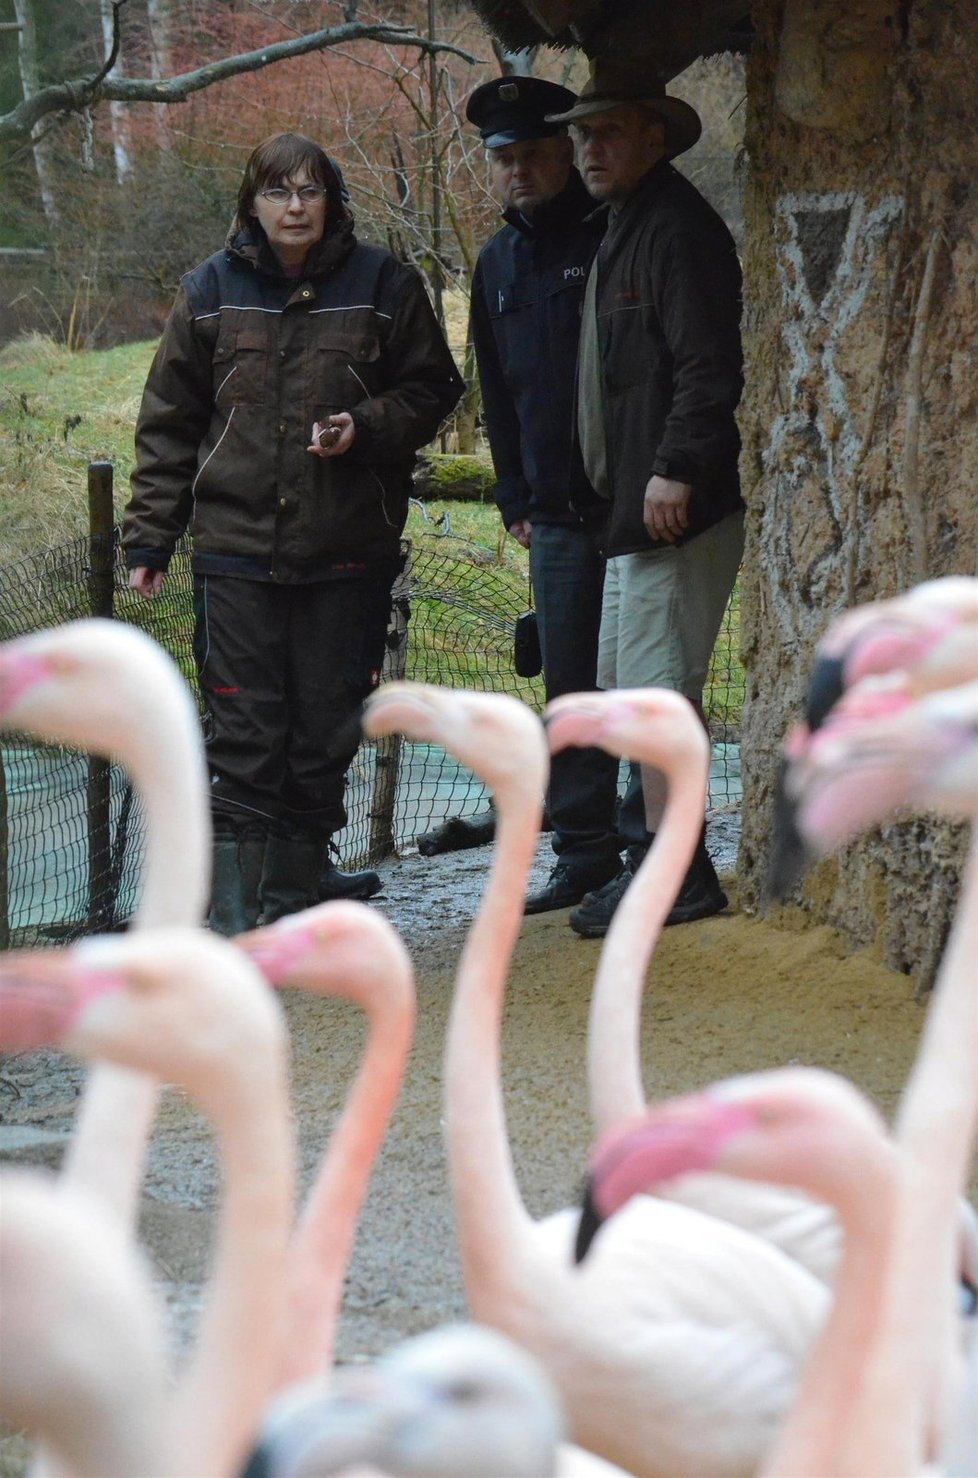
<point>666,511</point>
<point>343,423</point>
<point>148,582</point>
<point>522,531</point>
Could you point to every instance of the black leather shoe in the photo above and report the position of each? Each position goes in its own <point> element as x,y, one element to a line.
<point>700,895</point>
<point>565,886</point>
<point>592,918</point>
<point>336,884</point>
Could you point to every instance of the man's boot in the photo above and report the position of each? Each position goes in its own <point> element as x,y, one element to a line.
<point>336,884</point>
<point>701,895</point>
<point>290,881</point>
<point>238,859</point>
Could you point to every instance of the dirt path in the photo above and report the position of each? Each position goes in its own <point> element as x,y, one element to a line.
<point>731,994</point>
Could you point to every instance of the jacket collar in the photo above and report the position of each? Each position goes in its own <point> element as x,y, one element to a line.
<point>572,205</point>
<point>337,241</point>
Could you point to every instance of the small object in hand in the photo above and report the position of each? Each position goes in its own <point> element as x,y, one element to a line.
<point>329,436</point>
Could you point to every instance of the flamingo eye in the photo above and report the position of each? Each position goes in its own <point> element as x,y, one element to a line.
<point>462,1392</point>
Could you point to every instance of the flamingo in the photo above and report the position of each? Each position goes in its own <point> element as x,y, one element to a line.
<point>661,729</point>
<point>105,687</point>
<point>678,1350</point>
<point>185,1006</point>
<point>795,1126</point>
<point>81,1358</point>
<point>458,1399</point>
<point>929,632</point>
<point>346,949</point>
<point>880,748</point>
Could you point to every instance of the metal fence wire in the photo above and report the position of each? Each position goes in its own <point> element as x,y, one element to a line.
<point>71,829</point>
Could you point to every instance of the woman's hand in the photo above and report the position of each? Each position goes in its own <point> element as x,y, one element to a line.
<point>148,582</point>
<point>338,433</point>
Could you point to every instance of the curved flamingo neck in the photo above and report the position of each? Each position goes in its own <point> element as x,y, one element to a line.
<point>865,1198</point>
<point>231,1374</point>
<point>166,763</point>
<point>614,1056</point>
<point>493,1223</point>
<point>909,1367</point>
<point>323,1240</point>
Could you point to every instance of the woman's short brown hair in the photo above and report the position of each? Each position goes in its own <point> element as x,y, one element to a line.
<point>280,158</point>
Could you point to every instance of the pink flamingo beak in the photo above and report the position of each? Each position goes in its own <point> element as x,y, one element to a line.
<point>20,670</point>
<point>42,995</point>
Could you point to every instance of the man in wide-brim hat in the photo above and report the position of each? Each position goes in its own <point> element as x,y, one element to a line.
<point>659,379</point>
<point>611,84</point>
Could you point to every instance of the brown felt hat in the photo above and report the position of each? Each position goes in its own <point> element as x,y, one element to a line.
<point>612,83</point>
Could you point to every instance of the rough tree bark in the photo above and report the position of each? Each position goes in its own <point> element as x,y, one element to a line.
<point>860,417</point>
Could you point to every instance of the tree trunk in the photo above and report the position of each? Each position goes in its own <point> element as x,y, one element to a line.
<point>860,416</point>
<point>30,83</point>
<point>118,116</point>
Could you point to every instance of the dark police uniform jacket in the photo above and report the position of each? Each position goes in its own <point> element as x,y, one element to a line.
<point>527,292</point>
<point>248,360</point>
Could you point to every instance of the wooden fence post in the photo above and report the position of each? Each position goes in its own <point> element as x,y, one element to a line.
<point>387,749</point>
<point>101,552</point>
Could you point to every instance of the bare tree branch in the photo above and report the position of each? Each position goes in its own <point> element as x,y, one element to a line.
<point>74,96</point>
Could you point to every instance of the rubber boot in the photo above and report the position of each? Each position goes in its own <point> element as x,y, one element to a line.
<point>336,884</point>
<point>290,881</point>
<point>239,857</point>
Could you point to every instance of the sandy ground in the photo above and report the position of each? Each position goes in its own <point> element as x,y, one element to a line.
<point>727,995</point>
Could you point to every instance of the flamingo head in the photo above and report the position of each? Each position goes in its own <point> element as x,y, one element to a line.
<point>459,1399</point>
<point>171,1002</point>
<point>780,1126</point>
<point>653,725</point>
<point>879,751</point>
<point>497,737</point>
<point>91,684</point>
<point>336,948</point>
<point>930,634</point>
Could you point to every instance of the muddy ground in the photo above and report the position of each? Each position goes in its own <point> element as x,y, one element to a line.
<point>730,994</point>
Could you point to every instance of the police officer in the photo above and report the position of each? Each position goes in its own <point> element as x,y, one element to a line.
<point>527,292</point>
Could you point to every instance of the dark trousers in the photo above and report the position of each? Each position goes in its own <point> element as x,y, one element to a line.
<point>567,570</point>
<point>284,670</point>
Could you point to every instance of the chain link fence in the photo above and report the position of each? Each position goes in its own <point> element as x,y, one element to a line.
<point>71,830</point>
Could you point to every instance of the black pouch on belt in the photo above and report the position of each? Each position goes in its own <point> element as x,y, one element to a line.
<point>527,657</point>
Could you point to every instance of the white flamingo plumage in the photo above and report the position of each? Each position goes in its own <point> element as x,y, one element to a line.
<point>661,729</point>
<point>798,1127</point>
<point>106,687</point>
<point>344,949</point>
<point>187,1007</point>
<point>82,1363</point>
<point>678,1350</point>
<point>879,749</point>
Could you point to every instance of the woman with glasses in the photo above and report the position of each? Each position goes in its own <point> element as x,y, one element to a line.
<point>299,372</point>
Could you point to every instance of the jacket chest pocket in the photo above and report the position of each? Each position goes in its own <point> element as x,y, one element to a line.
<point>241,367</point>
<point>349,368</point>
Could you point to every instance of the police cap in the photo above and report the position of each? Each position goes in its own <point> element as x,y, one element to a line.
<point>509,109</point>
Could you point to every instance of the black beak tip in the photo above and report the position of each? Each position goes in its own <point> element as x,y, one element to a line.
<point>588,1227</point>
<point>259,1463</point>
<point>826,686</point>
<point>789,854</point>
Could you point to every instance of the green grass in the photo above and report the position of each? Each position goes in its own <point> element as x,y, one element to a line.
<point>59,411</point>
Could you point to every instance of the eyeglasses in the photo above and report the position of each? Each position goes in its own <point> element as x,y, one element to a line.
<point>279,195</point>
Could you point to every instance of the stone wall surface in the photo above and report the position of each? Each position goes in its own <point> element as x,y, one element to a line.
<point>859,420</point>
